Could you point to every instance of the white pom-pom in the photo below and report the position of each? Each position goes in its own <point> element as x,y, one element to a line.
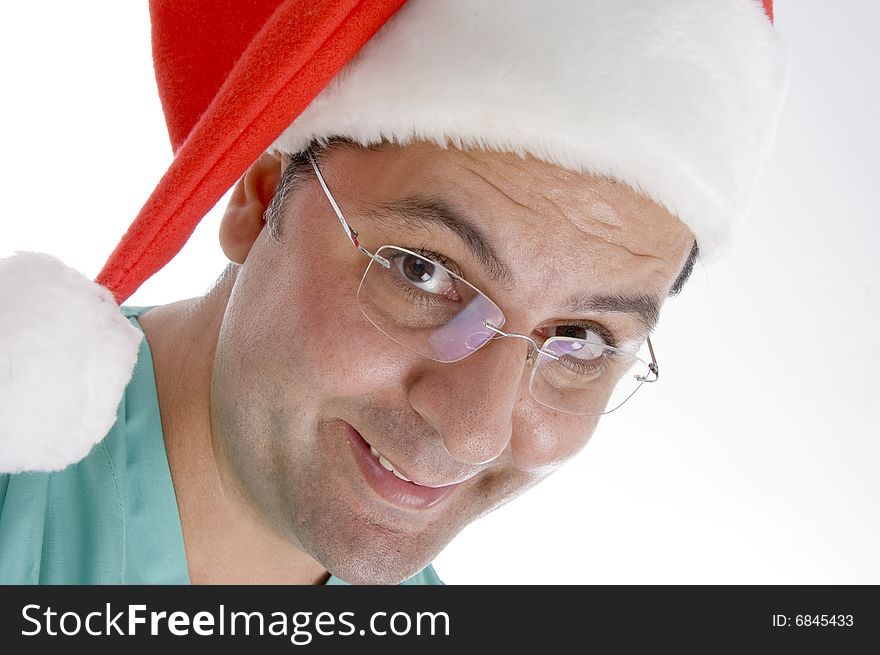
<point>66,356</point>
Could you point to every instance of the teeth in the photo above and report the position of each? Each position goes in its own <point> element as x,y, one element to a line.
<point>387,465</point>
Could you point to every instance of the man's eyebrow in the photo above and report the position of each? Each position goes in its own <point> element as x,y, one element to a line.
<point>417,211</point>
<point>643,306</point>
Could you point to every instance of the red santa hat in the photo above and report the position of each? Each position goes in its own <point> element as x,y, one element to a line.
<point>678,99</point>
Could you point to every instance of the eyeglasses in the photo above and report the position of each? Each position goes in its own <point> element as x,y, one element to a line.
<point>431,310</point>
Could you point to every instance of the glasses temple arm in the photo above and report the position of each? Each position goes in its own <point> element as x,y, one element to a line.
<point>350,231</point>
<point>653,367</point>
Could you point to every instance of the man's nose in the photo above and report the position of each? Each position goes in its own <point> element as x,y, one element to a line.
<point>470,402</point>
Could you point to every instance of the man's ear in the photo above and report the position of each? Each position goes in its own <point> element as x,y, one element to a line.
<point>243,220</point>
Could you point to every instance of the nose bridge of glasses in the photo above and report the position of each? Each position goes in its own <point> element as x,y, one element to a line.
<point>534,346</point>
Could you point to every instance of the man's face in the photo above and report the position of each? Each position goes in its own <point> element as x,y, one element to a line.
<point>303,384</point>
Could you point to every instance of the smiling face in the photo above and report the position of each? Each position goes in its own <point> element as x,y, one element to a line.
<point>303,384</point>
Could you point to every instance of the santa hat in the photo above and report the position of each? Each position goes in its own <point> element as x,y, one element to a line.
<point>678,99</point>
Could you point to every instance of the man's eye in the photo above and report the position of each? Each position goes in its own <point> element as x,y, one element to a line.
<point>424,274</point>
<point>595,336</point>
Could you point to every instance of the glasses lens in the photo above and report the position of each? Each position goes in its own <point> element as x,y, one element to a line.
<point>426,307</point>
<point>585,378</point>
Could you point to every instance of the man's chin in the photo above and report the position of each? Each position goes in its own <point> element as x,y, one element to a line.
<point>359,551</point>
<point>356,576</point>
<point>375,569</point>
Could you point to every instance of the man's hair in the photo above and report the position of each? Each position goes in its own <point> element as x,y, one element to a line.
<point>686,270</point>
<point>298,167</point>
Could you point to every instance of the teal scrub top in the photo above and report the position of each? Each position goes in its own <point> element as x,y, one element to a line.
<point>111,518</point>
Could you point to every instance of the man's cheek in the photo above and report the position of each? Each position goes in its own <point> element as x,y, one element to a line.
<point>347,355</point>
<point>352,374</point>
<point>540,446</point>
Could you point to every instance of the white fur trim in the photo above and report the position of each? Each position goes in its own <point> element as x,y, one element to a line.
<point>678,98</point>
<point>66,356</point>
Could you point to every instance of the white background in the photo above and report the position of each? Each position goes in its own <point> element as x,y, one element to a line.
<point>754,460</point>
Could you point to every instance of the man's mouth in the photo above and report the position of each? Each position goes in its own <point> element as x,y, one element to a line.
<point>388,465</point>
<point>389,483</point>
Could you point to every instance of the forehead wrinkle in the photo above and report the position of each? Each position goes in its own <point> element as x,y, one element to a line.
<point>607,224</point>
<point>498,189</point>
<point>600,209</point>
<point>603,232</point>
<point>605,212</point>
<point>579,225</point>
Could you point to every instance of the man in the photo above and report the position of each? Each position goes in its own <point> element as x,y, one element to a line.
<point>410,335</point>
